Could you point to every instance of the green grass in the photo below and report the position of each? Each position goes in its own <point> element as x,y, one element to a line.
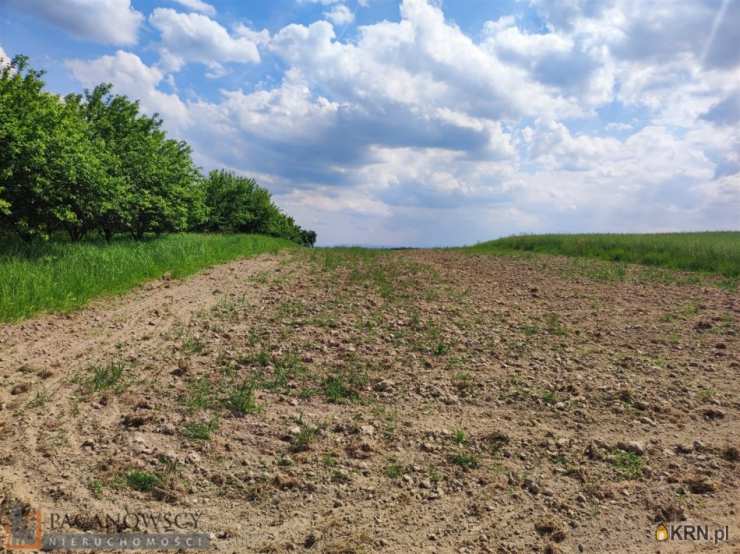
<point>394,470</point>
<point>142,481</point>
<point>106,377</point>
<point>710,252</point>
<point>241,401</point>
<point>464,460</point>
<point>59,276</point>
<point>200,430</point>
<point>628,464</point>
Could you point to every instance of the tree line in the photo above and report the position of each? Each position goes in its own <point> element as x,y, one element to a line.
<point>92,163</point>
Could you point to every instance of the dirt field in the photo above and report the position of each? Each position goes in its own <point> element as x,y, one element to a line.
<point>416,401</point>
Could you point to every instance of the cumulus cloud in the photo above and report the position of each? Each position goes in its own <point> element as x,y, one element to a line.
<point>418,117</point>
<point>645,31</point>
<point>412,132</point>
<point>340,15</point>
<point>193,37</point>
<point>421,61</point>
<point>197,6</point>
<point>572,65</point>
<point>105,21</point>
<point>132,77</point>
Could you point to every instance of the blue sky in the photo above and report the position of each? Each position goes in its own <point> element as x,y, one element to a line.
<point>421,122</point>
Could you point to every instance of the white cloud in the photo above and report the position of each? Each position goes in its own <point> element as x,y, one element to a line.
<point>106,21</point>
<point>4,58</point>
<point>197,6</point>
<point>415,133</point>
<point>577,68</point>
<point>195,37</point>
<point>257,37</point>
<point>340,15</point>
<point>417,124</point>
<point>422,62</point>
<point>132,77</point>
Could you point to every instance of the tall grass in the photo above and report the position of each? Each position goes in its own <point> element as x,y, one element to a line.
<point>60,276</point>
<point>710,252</point>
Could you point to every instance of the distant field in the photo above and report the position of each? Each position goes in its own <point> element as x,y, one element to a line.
<point>711,252</point>
<point>59,276</point>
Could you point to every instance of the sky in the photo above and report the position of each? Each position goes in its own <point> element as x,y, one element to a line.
<point>427,122</point>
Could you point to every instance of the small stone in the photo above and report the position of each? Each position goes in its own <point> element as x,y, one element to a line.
<point>133,421</point>
<point>167,429</point>
<point>635,447</point>
<point>312,538</point>
<point>20,388</point>
<point>531,486</point>
<point>731,454</point>
<point>670,512</point>
<point>286,482</point>
<point>548,527</point>
<point>183,365</point>
<point>367,430</point>
<point>384,386</point>
<point>712,414</point>
<point>701,485</point>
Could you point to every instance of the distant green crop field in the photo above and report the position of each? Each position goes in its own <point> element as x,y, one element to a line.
<point>60,276</point>
<point>711,252</point>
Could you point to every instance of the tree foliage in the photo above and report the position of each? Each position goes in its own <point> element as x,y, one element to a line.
<point>95,163</point>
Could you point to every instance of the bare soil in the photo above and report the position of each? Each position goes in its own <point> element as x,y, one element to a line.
<point>416,401</point>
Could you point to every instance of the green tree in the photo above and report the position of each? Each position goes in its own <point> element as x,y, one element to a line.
<point>25,111</point>
<point>49,170</point>
<point>93,162</point>
<point>155,183</point>
<point>236,203</point>
<point>239,204</point>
